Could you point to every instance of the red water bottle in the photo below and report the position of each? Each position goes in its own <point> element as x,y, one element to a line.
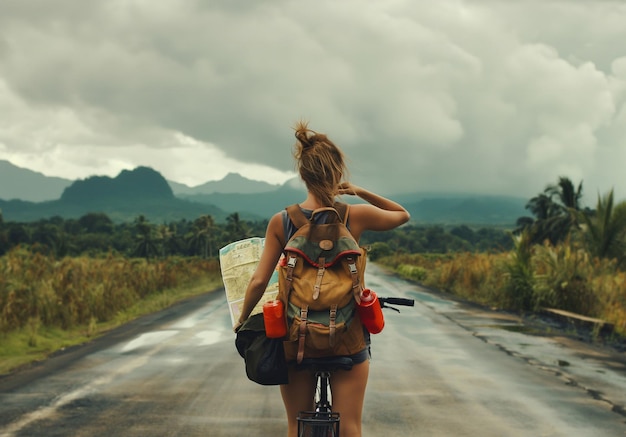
<point>274,318</point>
<point>370,312</point>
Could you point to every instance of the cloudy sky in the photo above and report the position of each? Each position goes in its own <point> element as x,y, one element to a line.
<point>496,97</point>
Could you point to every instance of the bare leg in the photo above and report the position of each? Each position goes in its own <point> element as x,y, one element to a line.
<point>297,396</point>
<point>348,391</point>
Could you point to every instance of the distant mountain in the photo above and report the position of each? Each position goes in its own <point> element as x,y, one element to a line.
<point>467,209</point>
<point>259,204</point>
<point>21,183</point>
<point>139,185</point>
<point>424,208</point>
<point>145,191</point>
<point>232,183</point>
<point>142,191</point>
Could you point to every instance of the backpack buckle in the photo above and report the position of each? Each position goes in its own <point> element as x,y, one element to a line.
<point>291,262</point>
<point>352,266</point>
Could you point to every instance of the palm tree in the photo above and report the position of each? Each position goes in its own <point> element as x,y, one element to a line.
<point>606,229</point>
<point>146,246</point>
<point>201,237</point>
<point>556,212</point>
<point>570,203</point>
<point>570,198</point>
<point>170,239</point>
<point>162,235</point>
<point>237,228</point>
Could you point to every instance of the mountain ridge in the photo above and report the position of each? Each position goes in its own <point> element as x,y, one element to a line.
<point>18,183</point>
<point>231,183</point>
<point>142,191</point>
<point>145,191</point>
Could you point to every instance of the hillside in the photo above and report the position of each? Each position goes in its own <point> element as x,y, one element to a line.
<point>138,185</point>
<point>477,210</point>
<point>145,191</point>
<point>21,183</point>
<point>142,191</point>
<point>424,208</point>
<point>230,184</point>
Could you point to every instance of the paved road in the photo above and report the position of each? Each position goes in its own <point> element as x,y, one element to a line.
<point>438,369</point>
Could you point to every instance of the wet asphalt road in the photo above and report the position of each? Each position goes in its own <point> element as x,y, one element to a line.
<point>438,369</point>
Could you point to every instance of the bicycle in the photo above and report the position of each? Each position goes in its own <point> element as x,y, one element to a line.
<point>322,421</point>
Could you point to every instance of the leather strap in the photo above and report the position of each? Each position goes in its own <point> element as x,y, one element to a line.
<point>356,282</point>
<point>344,210</point>
<point>320,275</point>
<point>302,333</point>
<point>299,219</point>
<point>296,215</point>
<point>330,210</point>
<point>332,325</point>
<point>291,264</point>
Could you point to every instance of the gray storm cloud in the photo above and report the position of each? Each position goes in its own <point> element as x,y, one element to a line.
<point>490,97</point>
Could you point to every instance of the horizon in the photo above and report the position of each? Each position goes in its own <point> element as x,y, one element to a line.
<point>296,178</point>
<point>146,193</point>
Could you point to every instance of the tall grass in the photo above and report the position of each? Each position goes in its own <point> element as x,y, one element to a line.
<point>526,279</point>
<point>38,290</point>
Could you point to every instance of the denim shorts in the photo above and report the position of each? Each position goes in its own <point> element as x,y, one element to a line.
<point>362,356</point>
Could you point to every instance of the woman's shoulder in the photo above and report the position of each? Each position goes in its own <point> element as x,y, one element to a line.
<point>278,216</point>
<point>358,209</point>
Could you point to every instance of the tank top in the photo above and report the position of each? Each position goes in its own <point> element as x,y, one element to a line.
<point>289,228</point>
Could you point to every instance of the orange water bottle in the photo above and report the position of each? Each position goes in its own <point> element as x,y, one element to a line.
<point>371,312</point>
<point>274,318</point>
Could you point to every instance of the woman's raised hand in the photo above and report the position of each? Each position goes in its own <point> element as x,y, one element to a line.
<point>348,188</point>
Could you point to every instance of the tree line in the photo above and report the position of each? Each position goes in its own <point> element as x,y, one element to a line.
<point>557,215</point>
<point>95,233</point>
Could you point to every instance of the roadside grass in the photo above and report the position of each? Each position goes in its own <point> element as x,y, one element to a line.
<point>525,280</point>
<point>34,342</point>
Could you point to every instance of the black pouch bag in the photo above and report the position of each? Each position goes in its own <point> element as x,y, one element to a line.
<point>264,357</point>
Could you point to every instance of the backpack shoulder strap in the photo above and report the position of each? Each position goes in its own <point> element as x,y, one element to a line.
<point>296,215</point>
<point>299,219</point>
<point>344,210</point>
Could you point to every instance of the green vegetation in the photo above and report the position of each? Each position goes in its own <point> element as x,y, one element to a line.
<point>95,233</point>
<point>48,303</point>
<point>63,281</point>
<point>565,257</point>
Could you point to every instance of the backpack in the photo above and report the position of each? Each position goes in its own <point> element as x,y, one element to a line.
<point>320,281</point>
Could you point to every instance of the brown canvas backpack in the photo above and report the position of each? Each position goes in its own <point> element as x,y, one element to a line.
<point>320,280</point>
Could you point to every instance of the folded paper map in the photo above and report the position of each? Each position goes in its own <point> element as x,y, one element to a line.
<point>238,261</point>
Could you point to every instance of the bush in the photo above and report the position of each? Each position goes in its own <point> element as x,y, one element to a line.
<point>412,272</point>
<point>530,277</point>
<point>563,276</point>
<point>76,291</point>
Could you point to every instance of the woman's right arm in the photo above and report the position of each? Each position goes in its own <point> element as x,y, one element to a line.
<point>382,214</point>
<point>272,250</point>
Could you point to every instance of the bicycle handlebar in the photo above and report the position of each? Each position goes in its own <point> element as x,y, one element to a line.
<point>386,302</point>
<point>397,301</point>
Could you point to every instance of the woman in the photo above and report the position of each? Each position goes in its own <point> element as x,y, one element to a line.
<point>322,168</point>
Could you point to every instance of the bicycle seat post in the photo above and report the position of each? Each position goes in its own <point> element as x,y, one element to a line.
<point>323,405</point>
<point>322,422</point>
